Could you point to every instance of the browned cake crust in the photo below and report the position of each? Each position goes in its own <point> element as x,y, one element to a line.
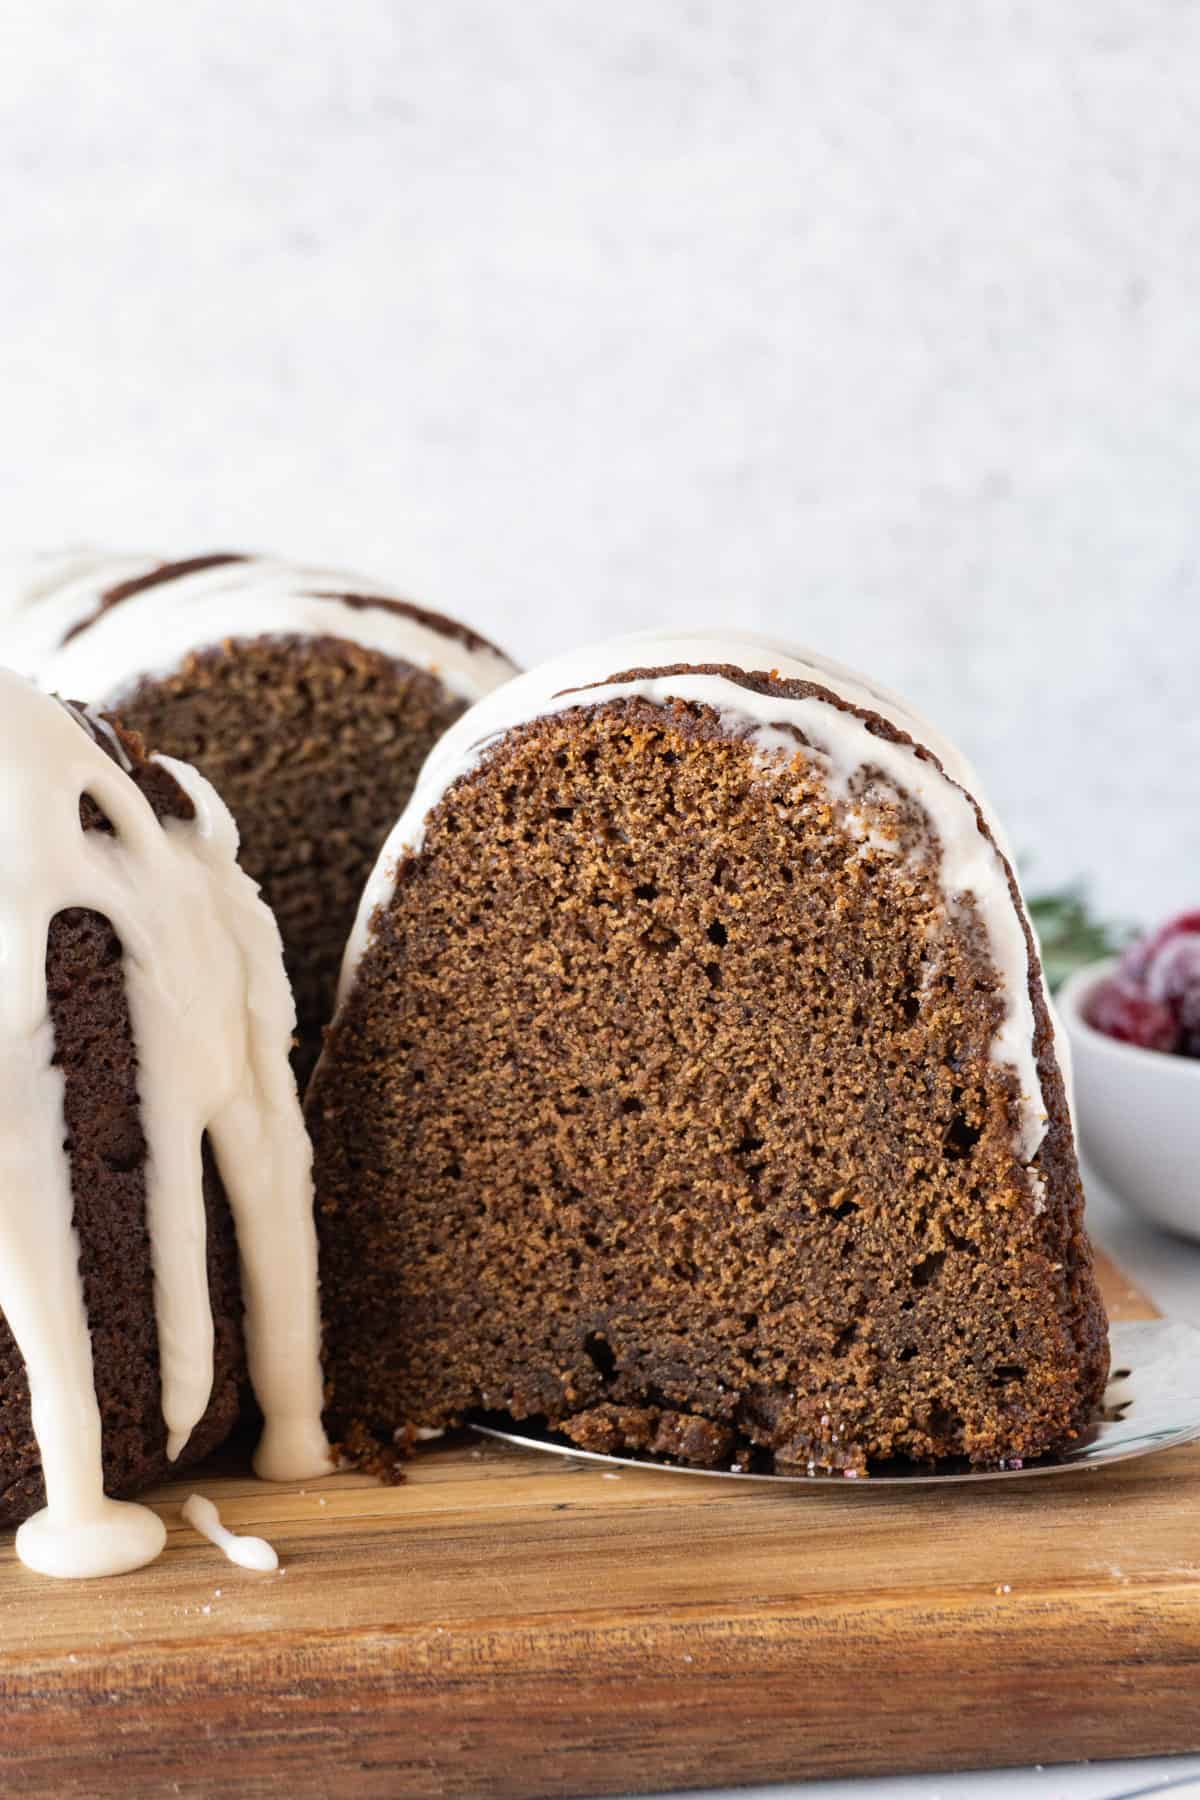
<point>314,745</point>
<point>664,1111</point>
<point>94,1047</point>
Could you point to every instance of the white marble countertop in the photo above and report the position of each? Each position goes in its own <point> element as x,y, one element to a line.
<point>1167,1269</point>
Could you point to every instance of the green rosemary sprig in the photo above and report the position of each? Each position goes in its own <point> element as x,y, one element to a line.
<point>1070,934</point>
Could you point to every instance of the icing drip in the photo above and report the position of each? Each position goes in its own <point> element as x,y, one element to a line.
<point>246,1552</point>
<point>212,1017</point>
<point>150,633</point>
<point>969,864</point>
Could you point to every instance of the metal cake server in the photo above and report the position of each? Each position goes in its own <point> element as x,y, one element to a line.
<point>1152,1403</point>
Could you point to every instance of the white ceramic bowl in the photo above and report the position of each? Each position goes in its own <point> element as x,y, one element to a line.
<point>1138,1113</point>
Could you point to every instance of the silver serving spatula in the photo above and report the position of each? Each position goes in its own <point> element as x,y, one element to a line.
<point>1152,1403</point>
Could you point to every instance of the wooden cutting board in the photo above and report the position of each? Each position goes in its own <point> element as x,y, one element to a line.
<point>509,1624</point>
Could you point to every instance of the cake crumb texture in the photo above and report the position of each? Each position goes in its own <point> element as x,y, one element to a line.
<point>314,745</point>
<point>663,1111</point>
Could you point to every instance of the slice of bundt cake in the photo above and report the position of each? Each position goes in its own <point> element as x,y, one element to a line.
<point>308,698</point>
<point>150,1136</point>
<point>694,1087</point>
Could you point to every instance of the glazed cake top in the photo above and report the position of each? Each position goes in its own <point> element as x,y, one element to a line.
<point>96,623</point>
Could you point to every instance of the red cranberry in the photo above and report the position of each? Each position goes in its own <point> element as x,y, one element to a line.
<point>1119,1011</point>
<point>1173,971</point>
<point>1136,962</point>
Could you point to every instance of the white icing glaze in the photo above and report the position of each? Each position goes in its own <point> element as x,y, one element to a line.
<point>150,633</point>
<point>970,863</point>
<point>212,1017</point>
<point>246,1552</point>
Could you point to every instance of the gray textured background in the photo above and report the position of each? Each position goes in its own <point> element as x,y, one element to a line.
<point>876,323</point>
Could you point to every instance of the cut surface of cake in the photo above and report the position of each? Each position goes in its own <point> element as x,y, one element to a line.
<point>150,1140</point>
<point>694,1088</point>
<point>306,696</point>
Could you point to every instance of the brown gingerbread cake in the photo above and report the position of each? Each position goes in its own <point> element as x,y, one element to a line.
<point>307,697</point>
<point>694,1088</point>
<point>150,1135</point>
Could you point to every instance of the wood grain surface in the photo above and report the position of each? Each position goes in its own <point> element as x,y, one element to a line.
<point>511,1624</point>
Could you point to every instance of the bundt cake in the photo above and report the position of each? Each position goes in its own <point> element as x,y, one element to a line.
<point>694,1088</point>
<point>307,698</point>
<point>150,1137</point>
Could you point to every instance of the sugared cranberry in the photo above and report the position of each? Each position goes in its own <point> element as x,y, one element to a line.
<point>1173,972</point>
<point>1118,1010</point>
<point>1158,978</point>
<point>1136,962</point>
